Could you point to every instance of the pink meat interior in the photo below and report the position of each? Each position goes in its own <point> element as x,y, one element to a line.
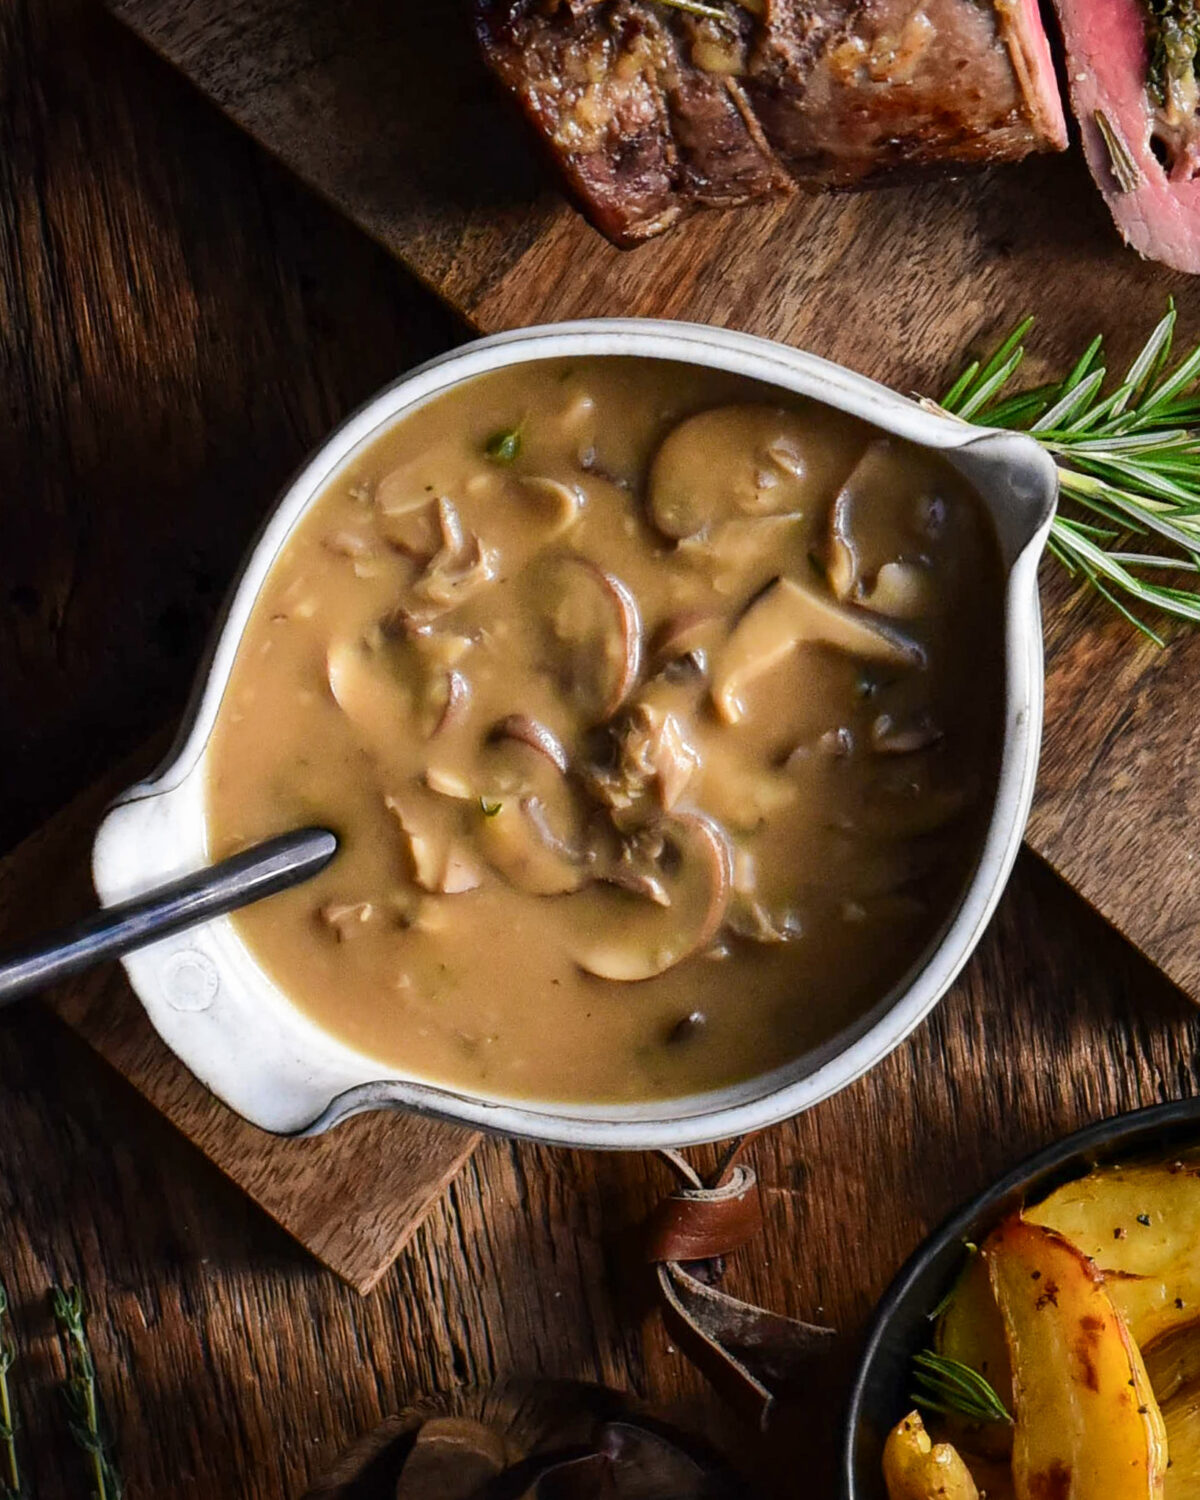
<point>1157,208</point>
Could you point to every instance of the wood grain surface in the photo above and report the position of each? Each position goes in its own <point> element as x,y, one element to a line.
<point>178,321</point>
<point>141,442</point>
<point>352,1197</point>
<point>388,112</point>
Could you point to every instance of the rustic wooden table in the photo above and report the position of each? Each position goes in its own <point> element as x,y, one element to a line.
<point>178,322</point>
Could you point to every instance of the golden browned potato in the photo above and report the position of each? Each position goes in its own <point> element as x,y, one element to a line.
<point>917,1468</point>
<point>1173,1361</point>
<point>1087,1424</point>
<point>1142,1222</point>
<point>1181,1419</point>
<point>971,1331</point>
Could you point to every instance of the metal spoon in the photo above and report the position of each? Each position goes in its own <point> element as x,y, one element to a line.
<point>255,873</point>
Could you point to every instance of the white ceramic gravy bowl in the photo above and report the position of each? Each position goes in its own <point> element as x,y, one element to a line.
<point>222,1015</point>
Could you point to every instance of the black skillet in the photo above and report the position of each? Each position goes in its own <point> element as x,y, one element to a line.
<point>901,1326</point>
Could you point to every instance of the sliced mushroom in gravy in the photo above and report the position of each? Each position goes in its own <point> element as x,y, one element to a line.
<point>659,718</point>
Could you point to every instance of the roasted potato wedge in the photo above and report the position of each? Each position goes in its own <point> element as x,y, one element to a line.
<point>1087,1424</point>
<point>971,1331</point>
<point>1181,1419</point>
<point>917,1468</point>
<point>1173,1361</point>
<point>1141,1225</point>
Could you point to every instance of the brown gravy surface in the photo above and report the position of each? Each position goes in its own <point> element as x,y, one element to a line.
<point>765,643</point>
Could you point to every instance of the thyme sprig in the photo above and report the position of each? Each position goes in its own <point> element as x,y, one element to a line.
<point>84,1416</point>
<point>947,1386</point>
<point>11,1487</point>
<point>1128,461</point>
<point>698,8</point>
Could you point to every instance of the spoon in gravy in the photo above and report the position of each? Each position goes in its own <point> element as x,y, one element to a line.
<point>264,870</point>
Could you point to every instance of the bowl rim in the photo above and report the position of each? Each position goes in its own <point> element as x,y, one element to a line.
<point>697,1118</point>
<point>1111,1138</point>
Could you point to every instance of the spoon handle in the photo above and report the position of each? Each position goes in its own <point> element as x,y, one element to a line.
<point>256,872</point>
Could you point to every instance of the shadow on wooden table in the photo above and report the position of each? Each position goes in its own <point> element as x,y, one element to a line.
<point>415,114</point>
<point>540,1244</point>
<point>851,1187</point>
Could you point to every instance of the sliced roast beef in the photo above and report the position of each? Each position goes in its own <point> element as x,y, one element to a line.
<point>849,93</point>
<point>651,110</point>
<point>641,133</point>
<point>1134,91</point>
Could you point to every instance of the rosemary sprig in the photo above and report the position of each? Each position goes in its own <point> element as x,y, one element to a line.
<point>84,1417</point>
<point>10,1486</point>
<point>954,1389</point>
<point>1128,461</point>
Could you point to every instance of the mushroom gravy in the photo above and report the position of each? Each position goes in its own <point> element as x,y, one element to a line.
<point>659,715</point>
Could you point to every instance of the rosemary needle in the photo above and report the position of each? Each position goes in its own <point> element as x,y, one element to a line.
<point>954,1389</point>
<point>1128,462</point>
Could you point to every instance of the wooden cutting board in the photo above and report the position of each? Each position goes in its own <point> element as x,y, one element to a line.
<point>352,1197</point>
<point>387,111</point>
